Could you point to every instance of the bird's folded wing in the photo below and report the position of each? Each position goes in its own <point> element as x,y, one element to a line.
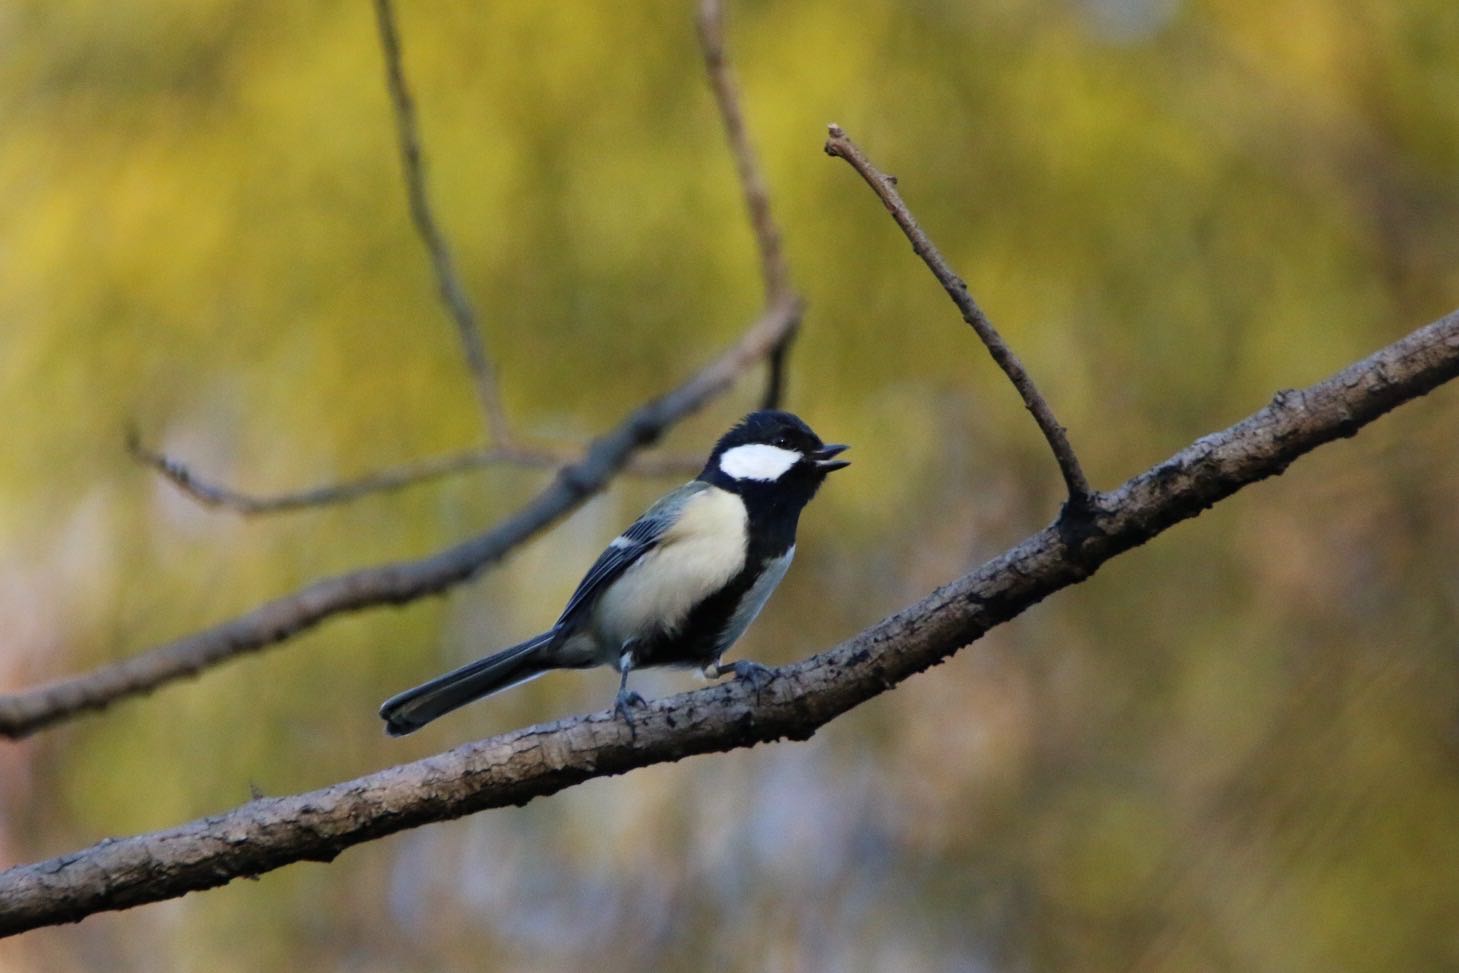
<point>641,537</point>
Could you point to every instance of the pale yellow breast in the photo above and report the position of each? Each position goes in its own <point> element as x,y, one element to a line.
<point>702,552</point>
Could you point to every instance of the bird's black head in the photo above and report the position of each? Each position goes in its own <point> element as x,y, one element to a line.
<point>772,453</point>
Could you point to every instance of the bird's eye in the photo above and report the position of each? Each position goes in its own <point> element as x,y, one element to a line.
<point>782,441</point>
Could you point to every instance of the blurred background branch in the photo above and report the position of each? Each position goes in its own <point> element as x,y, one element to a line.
<point>508,448</point>
<point>516,767</point>
<point>774,270</point>
<point>212,494</point>
<point>453,293</point>
<point>278,620</point>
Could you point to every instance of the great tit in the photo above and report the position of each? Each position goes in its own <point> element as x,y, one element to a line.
<point>676,588</point>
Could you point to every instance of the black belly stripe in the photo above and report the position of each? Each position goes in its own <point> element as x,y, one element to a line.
<point>772,533</point>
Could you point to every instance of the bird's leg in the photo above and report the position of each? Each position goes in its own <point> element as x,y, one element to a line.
<point>757,675</point>
<point>627,698</point>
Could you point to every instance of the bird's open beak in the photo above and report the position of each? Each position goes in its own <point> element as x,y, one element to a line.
<point>825,457</point>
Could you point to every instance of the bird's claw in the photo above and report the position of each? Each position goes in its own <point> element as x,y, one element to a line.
<point>623,707</point>
<point>757,675</point>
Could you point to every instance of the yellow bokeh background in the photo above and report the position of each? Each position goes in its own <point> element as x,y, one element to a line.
<point>1236,748</point>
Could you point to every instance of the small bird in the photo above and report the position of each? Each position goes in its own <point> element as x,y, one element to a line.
<point>676,588</point>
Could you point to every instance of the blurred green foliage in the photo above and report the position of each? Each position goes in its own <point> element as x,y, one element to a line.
<point>1237,749</point>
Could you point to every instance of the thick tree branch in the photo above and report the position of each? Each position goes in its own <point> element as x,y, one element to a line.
<point>25,712</point>
<point>212,494</point>
<point>452,292</point>
<point>774,270</point>
<point>840,146</point>
<point>516,767</point>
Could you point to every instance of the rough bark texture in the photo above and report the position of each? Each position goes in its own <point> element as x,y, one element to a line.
<point>516,767</point>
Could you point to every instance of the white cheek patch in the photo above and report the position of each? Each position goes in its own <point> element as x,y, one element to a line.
<point>758,461</point>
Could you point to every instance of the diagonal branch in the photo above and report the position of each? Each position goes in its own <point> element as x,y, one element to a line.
<point>516,767</point>
<point>840,146</point>
<point>452,292</point>
<point>774,270</point>
<point>273,622</point>
<point>213,494</point>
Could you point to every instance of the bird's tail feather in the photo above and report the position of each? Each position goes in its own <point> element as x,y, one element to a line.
<point>409,711</point>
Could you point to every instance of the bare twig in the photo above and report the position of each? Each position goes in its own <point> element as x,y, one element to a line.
<point>840,146</point>
<point>213,494</point>
<point>775,274</point>
<point>514,768</point>
<point>271,623</point>
<point>775,364</point>
<point>452,292</point>
<point>774,270</point>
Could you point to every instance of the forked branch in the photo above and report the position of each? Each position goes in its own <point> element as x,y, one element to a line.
<point>508,450</point>
<point>516,767</point>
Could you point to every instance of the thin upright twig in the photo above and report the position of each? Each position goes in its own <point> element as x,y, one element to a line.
<point>453,294</point>
<point>210,493</point>
<point>774,270</point>
<point>514,768</point>
<point>840,146</point>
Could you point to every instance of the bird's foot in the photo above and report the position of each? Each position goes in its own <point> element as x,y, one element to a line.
<point>757,675</point>
<point>623,706</point>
